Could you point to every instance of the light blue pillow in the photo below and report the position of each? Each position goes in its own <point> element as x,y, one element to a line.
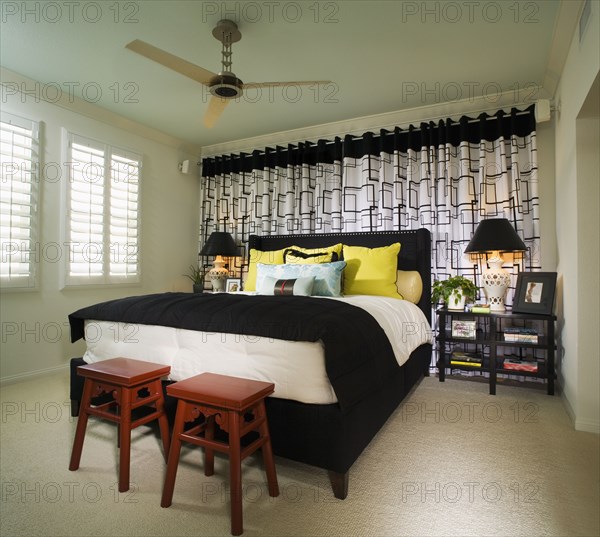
<point>285,287</point>
<point>328,276</point>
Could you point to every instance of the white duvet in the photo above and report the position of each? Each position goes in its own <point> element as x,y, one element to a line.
<point>296,368</point>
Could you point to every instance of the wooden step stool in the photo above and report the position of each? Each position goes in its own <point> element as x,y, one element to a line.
<point>124,379</point>
<point>228,401</point>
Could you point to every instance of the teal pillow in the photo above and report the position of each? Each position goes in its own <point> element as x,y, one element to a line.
<point>328,276</point>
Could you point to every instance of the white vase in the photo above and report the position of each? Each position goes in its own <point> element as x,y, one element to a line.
<point>456,304</point>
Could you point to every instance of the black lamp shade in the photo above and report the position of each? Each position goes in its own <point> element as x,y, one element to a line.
<point>495,234</point>
<point>220,243</point>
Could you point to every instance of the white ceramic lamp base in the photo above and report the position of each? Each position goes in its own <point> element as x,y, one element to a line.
<point>495,283</point>
<point>218,275</point>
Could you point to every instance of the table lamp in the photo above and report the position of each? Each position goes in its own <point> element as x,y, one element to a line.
<point>219,244</point>
<point>495,235</point>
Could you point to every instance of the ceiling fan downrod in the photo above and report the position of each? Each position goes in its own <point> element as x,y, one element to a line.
<point>226,85</point>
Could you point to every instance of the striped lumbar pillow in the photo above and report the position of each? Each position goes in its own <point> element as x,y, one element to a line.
<point>286,286</point>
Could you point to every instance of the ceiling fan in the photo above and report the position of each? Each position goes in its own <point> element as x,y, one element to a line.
<point>224,86</point>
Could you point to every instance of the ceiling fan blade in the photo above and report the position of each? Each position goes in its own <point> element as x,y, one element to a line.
<point>216,106</point>
<point>280,84</point>
<point>193,71</point>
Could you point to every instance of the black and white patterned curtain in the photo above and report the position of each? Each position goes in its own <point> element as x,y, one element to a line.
<point>445,176</point>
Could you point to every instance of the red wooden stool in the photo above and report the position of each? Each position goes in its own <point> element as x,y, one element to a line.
<point>124,379</point>
<point>228,401</point>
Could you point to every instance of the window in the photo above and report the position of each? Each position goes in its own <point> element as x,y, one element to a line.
<point>19,182</point>
<point>103,217</point>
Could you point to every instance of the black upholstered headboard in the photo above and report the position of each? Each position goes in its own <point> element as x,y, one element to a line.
<point>415,251</point>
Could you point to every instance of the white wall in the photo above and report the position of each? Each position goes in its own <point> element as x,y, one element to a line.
<point>578,231</point>
<point>169,210</point>
<point>547,192</point>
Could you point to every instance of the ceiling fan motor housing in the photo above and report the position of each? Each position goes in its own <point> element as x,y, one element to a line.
<point>226,85</point>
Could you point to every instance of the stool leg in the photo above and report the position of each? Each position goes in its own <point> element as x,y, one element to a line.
<point>235,473</point>
<point>209,454</point>
<point>125,436</point>
<point>267,451</point>
<point>167,495</point>
<point>81,425</point>
<point>163,422</point>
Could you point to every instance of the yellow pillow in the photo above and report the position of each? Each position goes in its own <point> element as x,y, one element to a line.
<point>314,255</point>
<point>274,257</point>
<point>371,271</point>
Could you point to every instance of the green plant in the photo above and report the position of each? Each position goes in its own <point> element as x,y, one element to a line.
<point>196,274</point>
<point>442,289</point>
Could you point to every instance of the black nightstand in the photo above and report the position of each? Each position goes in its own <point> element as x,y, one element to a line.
<point>482,338</point>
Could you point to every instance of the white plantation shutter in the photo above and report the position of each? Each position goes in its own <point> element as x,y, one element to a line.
<point>124,216</point>
<point>19,181</point>
<point>103,216</point>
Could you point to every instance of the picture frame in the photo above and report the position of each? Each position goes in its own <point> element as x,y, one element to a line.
<point>534,293</point>
<point>233,285</point>
<point>464,329</point>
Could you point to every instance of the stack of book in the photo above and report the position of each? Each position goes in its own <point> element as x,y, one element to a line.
<point>480,308</point>
<point>471,359</point>
<point>517,364</point>
<point>520,334</point>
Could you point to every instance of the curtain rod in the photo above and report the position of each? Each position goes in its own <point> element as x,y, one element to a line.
<point>473,120</point>
<point>386,127</point>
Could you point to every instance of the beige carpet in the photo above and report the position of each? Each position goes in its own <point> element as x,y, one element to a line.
<point>452,460</point>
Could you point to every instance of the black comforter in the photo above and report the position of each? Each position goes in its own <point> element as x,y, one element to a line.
<point>359,357</point>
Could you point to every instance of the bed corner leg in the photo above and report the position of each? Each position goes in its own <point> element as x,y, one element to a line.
<point>74,408</point>
<point>339,484</point>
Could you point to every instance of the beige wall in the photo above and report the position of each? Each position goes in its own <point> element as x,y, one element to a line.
<point>577,228</point>
<point>35,333</point>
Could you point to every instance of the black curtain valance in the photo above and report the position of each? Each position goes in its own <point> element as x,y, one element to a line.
<point>466,129</point>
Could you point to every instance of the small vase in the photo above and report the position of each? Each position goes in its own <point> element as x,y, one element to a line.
<point>456,304</point>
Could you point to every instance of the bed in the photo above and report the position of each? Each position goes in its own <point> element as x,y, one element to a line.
<point>346,397</point>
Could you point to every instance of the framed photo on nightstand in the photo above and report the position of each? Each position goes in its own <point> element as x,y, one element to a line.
<point>233,285</point>
<point>464,329</point>
<point>534,293</point>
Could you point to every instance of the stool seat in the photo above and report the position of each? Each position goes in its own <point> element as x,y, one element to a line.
<point>131,384</point>
<point>125,371</point>
<point>237,405</point>
<point>221,391</point>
